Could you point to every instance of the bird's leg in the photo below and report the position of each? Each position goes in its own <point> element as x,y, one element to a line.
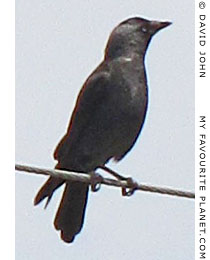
<point>113,173</point>
<point>132,184</point>
<point>95,181</point>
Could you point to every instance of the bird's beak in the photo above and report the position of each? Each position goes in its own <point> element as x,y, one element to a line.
<point>156,26</point>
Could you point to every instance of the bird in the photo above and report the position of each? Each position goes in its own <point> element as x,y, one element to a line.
<point>107,119</point>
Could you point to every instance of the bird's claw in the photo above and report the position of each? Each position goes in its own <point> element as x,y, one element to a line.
<point>132,187</point>
<point>95,181</point>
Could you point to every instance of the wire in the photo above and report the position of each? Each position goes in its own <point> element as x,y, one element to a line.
<point>82,177</point>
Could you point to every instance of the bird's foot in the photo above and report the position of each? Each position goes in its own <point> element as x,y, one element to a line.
<point>95,181</point>
<point>133,186</point>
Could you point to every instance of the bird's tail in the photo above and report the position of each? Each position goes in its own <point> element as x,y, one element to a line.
<point>47,190</point>
<point>70,215</point>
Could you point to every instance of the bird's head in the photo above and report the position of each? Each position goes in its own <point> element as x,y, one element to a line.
<point>132,35</point>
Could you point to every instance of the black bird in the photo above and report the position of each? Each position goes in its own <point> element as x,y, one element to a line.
<point>106,121</point>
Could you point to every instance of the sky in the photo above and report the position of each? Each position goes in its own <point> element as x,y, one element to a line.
<point>58,44</point>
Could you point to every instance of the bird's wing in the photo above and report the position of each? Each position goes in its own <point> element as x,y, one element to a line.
<point>91,96</point>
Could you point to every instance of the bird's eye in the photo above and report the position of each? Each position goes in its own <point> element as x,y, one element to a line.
<point>144,29</point>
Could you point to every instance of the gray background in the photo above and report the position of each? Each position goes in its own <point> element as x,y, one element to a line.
<point>58,44</point>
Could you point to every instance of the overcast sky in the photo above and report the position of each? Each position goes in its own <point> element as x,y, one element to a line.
<point>58,44</point>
